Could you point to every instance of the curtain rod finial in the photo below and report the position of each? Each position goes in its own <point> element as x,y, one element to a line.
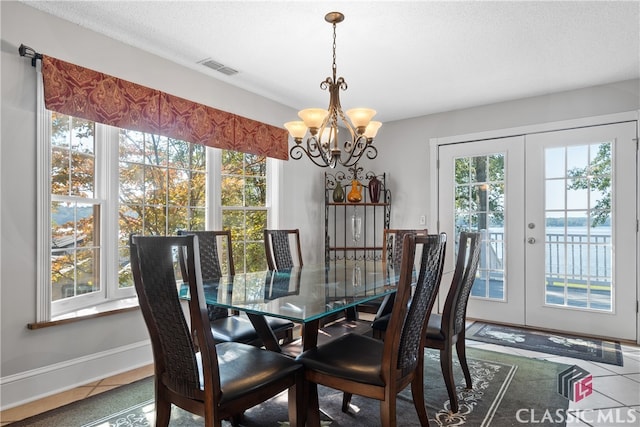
<point>29,53</point>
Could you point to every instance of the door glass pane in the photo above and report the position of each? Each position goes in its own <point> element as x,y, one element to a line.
<point>479,206</point>
<point>578,244</point>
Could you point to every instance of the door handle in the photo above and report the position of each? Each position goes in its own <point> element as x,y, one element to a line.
<point>531,240</point>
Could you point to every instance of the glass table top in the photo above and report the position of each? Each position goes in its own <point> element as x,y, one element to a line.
<point>302,294</point>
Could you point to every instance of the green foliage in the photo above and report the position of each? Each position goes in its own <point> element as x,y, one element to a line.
<point>479,190</point>
<point>244,198</point>
<point>595,177</point>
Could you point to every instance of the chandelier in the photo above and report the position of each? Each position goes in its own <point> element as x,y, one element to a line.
<point>321,144</point>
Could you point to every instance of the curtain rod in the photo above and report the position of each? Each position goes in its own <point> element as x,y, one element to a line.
<point>29,53</point>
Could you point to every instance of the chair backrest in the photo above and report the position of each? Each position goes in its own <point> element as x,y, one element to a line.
<point>277,247</point>
<point>454,312</point>
<point>216,253</point>
<point>392,239</point>
<point>176,362</point>
<point>406,331</point>
<point>216,260</point>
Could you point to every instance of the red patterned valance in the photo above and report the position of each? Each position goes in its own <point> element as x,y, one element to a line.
<point>81,92</point>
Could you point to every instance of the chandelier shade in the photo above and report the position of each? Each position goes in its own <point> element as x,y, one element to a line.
<point>316,135</point>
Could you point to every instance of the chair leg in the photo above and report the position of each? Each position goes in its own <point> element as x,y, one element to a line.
<point>417,391</point>
<point>346,401</point>
<point>462,356</point>
<point>297,402</point>
<point>388,412</point>
<point>163,408</point>
<point>236,420</point>
<point>378,334</point>
<point>289,336</point>
<point>313,407</point>
<point>446,364</point>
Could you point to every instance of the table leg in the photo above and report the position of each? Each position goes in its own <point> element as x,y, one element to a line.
<point>265,332</point>
<point>310,334</point>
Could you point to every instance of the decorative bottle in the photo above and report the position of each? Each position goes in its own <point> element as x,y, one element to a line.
<point>355,195</point>
<point>374,189</point>
<point>338,193</point>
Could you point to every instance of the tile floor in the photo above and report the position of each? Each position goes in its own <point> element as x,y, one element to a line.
<point>616,389</point>
<point>46,404</point>
<point>615,399</point>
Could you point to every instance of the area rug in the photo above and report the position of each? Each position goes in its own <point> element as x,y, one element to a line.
<point>503,385</point>
<point>594,350</point>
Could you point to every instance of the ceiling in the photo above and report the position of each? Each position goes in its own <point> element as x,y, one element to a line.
<point>403,58</point>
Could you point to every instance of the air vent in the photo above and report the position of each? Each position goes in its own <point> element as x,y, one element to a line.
<point>214,65</point>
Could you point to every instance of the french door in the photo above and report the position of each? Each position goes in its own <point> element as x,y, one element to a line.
<point>557,211</point>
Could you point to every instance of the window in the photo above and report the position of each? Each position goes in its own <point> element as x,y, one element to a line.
<point>162,190</point>
<point>244,207</point>
<point>104,184</point>
<point>75,210</point>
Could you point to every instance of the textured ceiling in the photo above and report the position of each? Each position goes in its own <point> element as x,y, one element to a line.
<point>402,58</point>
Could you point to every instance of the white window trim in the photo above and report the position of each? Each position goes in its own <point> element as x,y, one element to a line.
<point>107,190</point>
<point>43,206</point>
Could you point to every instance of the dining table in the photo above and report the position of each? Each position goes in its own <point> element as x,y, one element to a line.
<point>303,294</point>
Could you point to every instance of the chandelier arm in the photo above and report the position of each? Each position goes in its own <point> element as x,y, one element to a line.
<point>297,151</point>
<point>314,150</point>
<point>355,148</point>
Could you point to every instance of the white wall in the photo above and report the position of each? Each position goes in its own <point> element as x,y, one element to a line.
<point>403,146</point>
<point>34,363</point>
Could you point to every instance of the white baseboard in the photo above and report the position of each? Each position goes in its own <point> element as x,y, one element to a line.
<point>32,385</point>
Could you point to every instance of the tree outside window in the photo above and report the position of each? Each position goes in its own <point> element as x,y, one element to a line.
<point>244,207</point>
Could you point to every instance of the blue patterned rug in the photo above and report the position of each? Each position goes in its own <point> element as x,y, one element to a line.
<point>593,350</point>
<point>502,385</point>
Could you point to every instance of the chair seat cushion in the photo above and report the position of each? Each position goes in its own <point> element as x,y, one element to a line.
<point>245,369</point>
<point>381,323</point>
<point>278,324</point>
<point>351,356</point>
<point>233,328</point>
<point>240,329</point>
<point>434,327</point>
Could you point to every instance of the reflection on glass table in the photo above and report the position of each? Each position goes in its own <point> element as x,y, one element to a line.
<point>301,294</point>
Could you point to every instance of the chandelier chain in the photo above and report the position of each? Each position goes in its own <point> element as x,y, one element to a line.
<point>334,66</point>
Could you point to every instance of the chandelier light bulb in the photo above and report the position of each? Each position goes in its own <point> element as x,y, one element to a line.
<point>297,130</point>
<point>372,129</point>
<point>360,117</point>
<point>313,117</point>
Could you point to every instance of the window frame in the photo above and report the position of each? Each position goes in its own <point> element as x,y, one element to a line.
<point>107,192</point>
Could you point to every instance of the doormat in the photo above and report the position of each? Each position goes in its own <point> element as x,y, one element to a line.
<point>593,350</point>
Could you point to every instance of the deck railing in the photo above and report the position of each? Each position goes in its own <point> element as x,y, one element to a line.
<point>575,257</point>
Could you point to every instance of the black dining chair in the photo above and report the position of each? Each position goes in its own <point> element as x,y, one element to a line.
<point>362,365</point>
<point>392,256</point>
<point>216,246</point>
<point>280,246</point>
<point>448,330</point>
<point>214,380</point>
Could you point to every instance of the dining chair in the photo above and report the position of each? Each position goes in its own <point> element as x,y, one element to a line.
<point>392,256</point>
<point>216,260</point>
<point>279,246</point>
<point>446,330</point>
<point>362,365</point>
<point>214,380</point>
